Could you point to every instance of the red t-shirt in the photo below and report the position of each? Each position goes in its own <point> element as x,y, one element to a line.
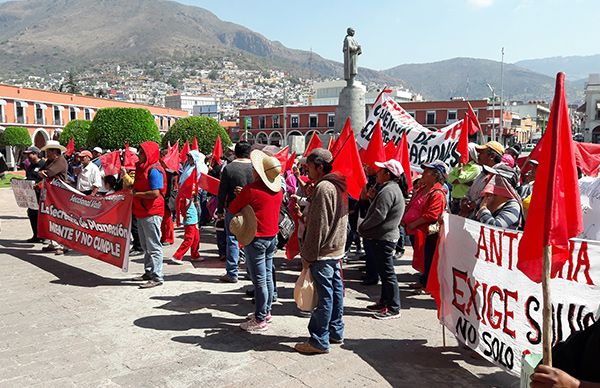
<point>265,204</point>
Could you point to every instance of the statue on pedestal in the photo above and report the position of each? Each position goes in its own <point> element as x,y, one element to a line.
<point>351,51</point>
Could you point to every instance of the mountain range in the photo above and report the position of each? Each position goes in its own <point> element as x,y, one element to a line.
<point>44,36</point>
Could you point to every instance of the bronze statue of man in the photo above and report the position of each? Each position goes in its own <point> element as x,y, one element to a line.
<point>351,51</point>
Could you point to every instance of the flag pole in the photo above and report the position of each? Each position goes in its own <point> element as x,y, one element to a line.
<point>547,307</point>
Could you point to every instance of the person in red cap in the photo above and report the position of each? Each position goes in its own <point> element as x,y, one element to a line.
<point>380,232</point>
<point>89,180</point>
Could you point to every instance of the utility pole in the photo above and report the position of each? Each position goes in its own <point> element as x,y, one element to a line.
<point>285,139</point>
<point>493,111</point>
<point>502,98</point>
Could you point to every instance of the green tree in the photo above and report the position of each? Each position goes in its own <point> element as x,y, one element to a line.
<point>112,128</point>
<point>78,130</point>
<point>18,139</point>
<point>205,129</point>
<point>213,75</point>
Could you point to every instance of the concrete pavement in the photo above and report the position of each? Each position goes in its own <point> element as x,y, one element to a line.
<point>74,321</point>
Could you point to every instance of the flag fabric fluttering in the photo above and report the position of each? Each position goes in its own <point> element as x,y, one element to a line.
<point>184,151</point>
<point>474,120</point>
<point>555,212</point>
<point>195,144</point>
<point>111,162</point>
<point>402,155</point>
<point>217,152</point>
<point>209,184</point>
<point>129,159</point>
<point>282,156</point>
<point>314,142</point>
<point>70,147</point>
<point>390,150</point>
<point>290,162</point>
<point>171,159</point>
<point>187,190</point>
<point>463,141</point>
<point>375,151</point>
<point>346,161</point>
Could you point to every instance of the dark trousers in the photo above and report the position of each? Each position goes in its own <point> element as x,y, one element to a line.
<point>136,245</point>
<point>32,214</point>
<point>430,246</point>
<point>384,260</point>
<point>371,272</point>
<point>400,244</point>
<point>221,242</point>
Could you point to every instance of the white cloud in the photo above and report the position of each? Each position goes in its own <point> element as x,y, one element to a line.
<point>480,3</point>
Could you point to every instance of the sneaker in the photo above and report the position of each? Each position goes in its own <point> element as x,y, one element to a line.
<point>375,307</point>
<point>268,319</point>
<point>336,341</point>
<point>386,314</point>
<point>135,252</point>
<point>307,348</point>
<point>49,248</point>
<point>175,261</point>
<point>143,278</point>
<point>59,252</point>
<point>227,279</point>
<point>151,284</point>
<point>253,326</point>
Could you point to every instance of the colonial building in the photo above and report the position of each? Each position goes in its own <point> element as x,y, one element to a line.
<point>45,113</point>
<point>591,132</point>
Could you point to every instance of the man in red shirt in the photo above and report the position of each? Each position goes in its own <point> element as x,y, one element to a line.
<point>264,196</point>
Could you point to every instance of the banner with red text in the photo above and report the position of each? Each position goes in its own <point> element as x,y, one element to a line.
<point>95,226</point>
<point>494,308</point>
<point>424,145</point>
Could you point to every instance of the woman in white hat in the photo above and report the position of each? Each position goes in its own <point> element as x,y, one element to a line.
<point>256,228</point>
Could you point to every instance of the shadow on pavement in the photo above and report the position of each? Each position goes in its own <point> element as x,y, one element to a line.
<point>13,217</point>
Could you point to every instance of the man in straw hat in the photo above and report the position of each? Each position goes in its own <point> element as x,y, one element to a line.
<point>55,168</point>
<point>256,228</point>
<point>322,249</point>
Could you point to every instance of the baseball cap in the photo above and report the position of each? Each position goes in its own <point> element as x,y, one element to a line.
<point>492,145</point>
<point>437,165</point>
<point>86,153</point>
<point>504,171</point>
<point>32,150</point>
<point>394,166</point>
<point>97,149</point>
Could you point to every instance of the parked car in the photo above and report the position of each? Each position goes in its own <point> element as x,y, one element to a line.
<point>578,137</point>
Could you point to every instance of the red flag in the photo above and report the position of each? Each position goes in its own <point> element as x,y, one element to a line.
<point>282,156</point>
<point>587,156</point>
<point>347,162</point>
<point>171,159</point>
<point>375,151</point>
<point>403,156</point>
<point>186,192</point>
<point>71,147</point>
<point>474,120</point>
<point>390,150</point>
<point>555,212</point>
<point>217,152</point>
<point>314,142</point>
<point>111,162</point>
<point>209,184</point>
<point>337,143</point>
<point>290,162</point>
<point>195,144</point>
<point>184,152</point>
<point>463,141</point>
<point>130,159</point>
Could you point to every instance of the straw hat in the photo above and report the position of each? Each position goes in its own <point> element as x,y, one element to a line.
<point>55,145</point>
<point>268,169</point>
<point>243,225</point>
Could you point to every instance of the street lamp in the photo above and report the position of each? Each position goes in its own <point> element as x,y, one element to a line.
<point>493,111</point>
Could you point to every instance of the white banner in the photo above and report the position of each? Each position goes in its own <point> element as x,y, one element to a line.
<point>496,310</point>
<point>24,193</point>
<point>425,145</point>
<point>589,188</point>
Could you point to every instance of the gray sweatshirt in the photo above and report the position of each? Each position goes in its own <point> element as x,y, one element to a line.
<point>384,215</point>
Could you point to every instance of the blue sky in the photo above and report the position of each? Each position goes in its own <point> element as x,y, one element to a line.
<point>394,32</point>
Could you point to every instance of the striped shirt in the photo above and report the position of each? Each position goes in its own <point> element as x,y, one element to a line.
<point>507,216</point>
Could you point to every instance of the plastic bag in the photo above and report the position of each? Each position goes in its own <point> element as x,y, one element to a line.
<point>305,293</point>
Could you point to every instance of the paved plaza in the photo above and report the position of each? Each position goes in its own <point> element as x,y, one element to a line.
<point>74,321</point>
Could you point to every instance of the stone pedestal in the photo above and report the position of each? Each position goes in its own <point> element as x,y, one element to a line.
<point>351,104</point>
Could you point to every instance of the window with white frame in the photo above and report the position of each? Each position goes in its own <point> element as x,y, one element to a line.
<point>20,112</point>
<point>452,115</point>
<point>73,113</point>
<point>330,120</point>
<point>430,118</point>
<point>162,123</point>
<point>275,121</point>
<point>412,113</point>
<point>57,115</point>
<point>2,119</point>
<point>295,121</point>
<point>87,114</point>
<point>261,122</point>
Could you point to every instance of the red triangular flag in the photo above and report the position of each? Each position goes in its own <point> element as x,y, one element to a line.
<point>347,162</point>
<point>375,151</point>
<point>282,156</point>
<point>184,152</point>
<point>195,144</point>
<point>315,142</point>
<point>390,150</point>
<point>71,147</point>
<point>171,159</point>
<point>187,190</point>
<point>130,159</point>
<point>403,156</point>
<point>290,162</point>
<point>463,141</point>
<point>555,212</point>
<point>217,152</point>
<point>111,162</point>
<point>474,120</point>
<point>209,184</point>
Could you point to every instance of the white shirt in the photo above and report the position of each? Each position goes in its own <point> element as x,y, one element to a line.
<point>89,177</point>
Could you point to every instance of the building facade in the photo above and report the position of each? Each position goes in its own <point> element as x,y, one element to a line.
<point>591,132</point>
<point>188,102</point>
<point>45,113</point>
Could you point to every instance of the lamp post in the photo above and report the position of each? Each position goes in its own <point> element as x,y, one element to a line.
<point>493,111</point>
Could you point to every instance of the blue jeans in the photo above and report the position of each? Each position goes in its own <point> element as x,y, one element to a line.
<point>326,320</point>
<point>259,261</point>
<point>149,232</point>
<point>232,249</point>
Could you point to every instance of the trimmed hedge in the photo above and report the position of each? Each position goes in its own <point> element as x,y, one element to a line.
<point>15,137</point>
<point>206,130</point>
<point>78,130</point>
<point>112,128</point>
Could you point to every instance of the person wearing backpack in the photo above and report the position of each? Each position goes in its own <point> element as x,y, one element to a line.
<point>148,208</point>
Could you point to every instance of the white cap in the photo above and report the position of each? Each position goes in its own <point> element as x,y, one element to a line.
<point>97,149</point>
